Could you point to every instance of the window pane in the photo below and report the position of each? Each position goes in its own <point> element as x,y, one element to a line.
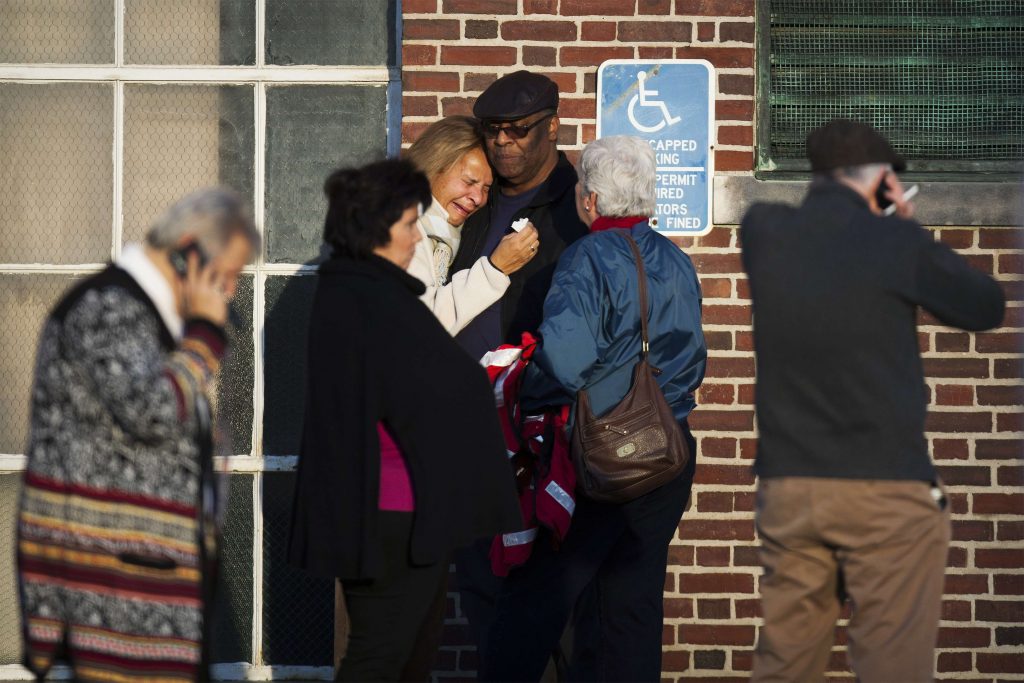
<point>10,621</point>
<point>178,138</point>
<point>311,130</point>
<point>57,31</point>
<point>236,385</point>
<point>190,32</point>
<point>298,609</point>
<point>331,32</point>
<point>231,631</point>
<point>56,143</point>
<point>944,81</point>
<point>25,299</point>
<point>288,301</point>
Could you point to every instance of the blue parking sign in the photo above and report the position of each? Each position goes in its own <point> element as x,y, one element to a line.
<point>669,104</point>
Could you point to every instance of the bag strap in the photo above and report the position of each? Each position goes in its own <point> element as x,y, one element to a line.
<point>645,347</point>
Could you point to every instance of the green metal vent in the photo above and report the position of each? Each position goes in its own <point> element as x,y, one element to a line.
<point>943,79</point>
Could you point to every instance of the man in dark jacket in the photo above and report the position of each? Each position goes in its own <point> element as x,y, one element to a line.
<point>848,499</point>
<point>534,180</point>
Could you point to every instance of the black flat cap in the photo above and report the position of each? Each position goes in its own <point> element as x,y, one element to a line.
<point>516,95</point>
<point>842,142</point>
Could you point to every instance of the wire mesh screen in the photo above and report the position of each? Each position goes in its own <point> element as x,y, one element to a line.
<point>943,80</point>
<point>298,609</point>
<point>330,32</point>
<point>231,633</point>
<point>190,32</point>
<point>236,384</point>
<point>25,299</point>
<point>311,130</point>
<point>57,31</point>
<point>288,301</point>
<point>181,137</point>
<point>10,623</point>
<point>57,174</point>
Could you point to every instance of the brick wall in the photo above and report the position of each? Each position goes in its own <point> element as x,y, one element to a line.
<point>452,49</point>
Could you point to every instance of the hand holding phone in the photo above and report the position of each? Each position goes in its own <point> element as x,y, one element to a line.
<point>203,286</point>
<point>885,205</point>
<point>882,194</point>
<point>179,258</point>
<point>907,196</point>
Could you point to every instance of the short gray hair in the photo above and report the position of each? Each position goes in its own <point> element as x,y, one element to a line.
<point>621,170</point>
<point>861,175</point>
<point>211,215</point>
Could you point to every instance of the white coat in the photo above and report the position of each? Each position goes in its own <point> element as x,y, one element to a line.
<point>457,300</point>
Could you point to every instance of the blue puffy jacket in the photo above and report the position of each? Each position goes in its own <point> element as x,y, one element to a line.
<point>591,329</point>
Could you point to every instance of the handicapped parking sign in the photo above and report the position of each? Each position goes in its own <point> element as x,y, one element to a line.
<point>670,105</point>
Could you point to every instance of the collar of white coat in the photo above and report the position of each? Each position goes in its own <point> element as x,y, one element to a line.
<point>134,261</point>
<point>435,222</point>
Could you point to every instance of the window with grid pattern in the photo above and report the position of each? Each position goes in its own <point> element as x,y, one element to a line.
<point>944,81</point>
<point>109,111</point>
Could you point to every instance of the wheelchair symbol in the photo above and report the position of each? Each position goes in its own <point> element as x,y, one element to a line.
<point>644,99</point>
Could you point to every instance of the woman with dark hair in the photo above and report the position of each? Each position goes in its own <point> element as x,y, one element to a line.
<point>387,484</point>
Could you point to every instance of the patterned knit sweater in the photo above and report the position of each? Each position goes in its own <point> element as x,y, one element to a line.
<point>108,531</point>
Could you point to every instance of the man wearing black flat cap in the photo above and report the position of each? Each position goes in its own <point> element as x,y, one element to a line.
<point>849,504</point>
<point>534,180</point>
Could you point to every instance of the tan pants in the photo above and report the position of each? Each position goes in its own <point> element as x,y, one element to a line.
<point>883,544</point>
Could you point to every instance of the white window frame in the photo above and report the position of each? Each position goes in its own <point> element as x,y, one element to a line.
<point>259,76</point>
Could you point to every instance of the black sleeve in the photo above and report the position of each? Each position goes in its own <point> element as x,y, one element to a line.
<point>953,291</point>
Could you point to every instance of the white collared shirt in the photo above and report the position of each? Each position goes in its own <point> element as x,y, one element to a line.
<point>135,262</point>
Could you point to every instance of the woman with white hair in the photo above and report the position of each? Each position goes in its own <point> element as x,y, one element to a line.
<point>614,554</point>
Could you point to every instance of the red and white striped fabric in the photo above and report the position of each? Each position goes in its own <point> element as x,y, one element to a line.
<point>538,447</point>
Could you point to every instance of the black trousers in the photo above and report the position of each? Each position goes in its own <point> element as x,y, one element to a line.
<point>615,556</point>
<point>478,589</point>
<point>395,620</point>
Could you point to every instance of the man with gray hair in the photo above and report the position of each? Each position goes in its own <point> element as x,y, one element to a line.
<point>116,545</point>
<point>848,501</point>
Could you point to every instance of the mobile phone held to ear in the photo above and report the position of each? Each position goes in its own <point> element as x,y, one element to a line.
<point>883,202</point>
<point>908,194</point>
<point>179,258</point>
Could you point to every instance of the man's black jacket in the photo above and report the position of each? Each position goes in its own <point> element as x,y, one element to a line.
<point>553,213</point>
<point>836,291</point>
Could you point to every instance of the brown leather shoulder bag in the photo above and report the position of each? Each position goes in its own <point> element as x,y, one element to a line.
<point>638,445</point>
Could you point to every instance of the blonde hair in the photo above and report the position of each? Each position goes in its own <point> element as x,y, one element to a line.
<point>443,143</point>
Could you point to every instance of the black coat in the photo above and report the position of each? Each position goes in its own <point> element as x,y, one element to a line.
<point>377,353</point>
<point>553,212</point>
<point>836,291</point>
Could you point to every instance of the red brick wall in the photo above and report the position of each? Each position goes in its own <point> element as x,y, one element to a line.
<point>452,49</point>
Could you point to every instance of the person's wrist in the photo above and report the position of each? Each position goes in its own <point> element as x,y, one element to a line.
<point>496,266</point>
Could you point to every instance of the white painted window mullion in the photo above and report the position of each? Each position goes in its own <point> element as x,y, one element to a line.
<point>257,570</point>
<point>261,33</point>
<point>119,33</point>
<point>259,345</point>
<point>259,282</point>
<point>329,75</point>
<point>117,220</point>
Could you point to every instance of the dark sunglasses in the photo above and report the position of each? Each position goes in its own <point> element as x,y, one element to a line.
<point>513,130</point>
